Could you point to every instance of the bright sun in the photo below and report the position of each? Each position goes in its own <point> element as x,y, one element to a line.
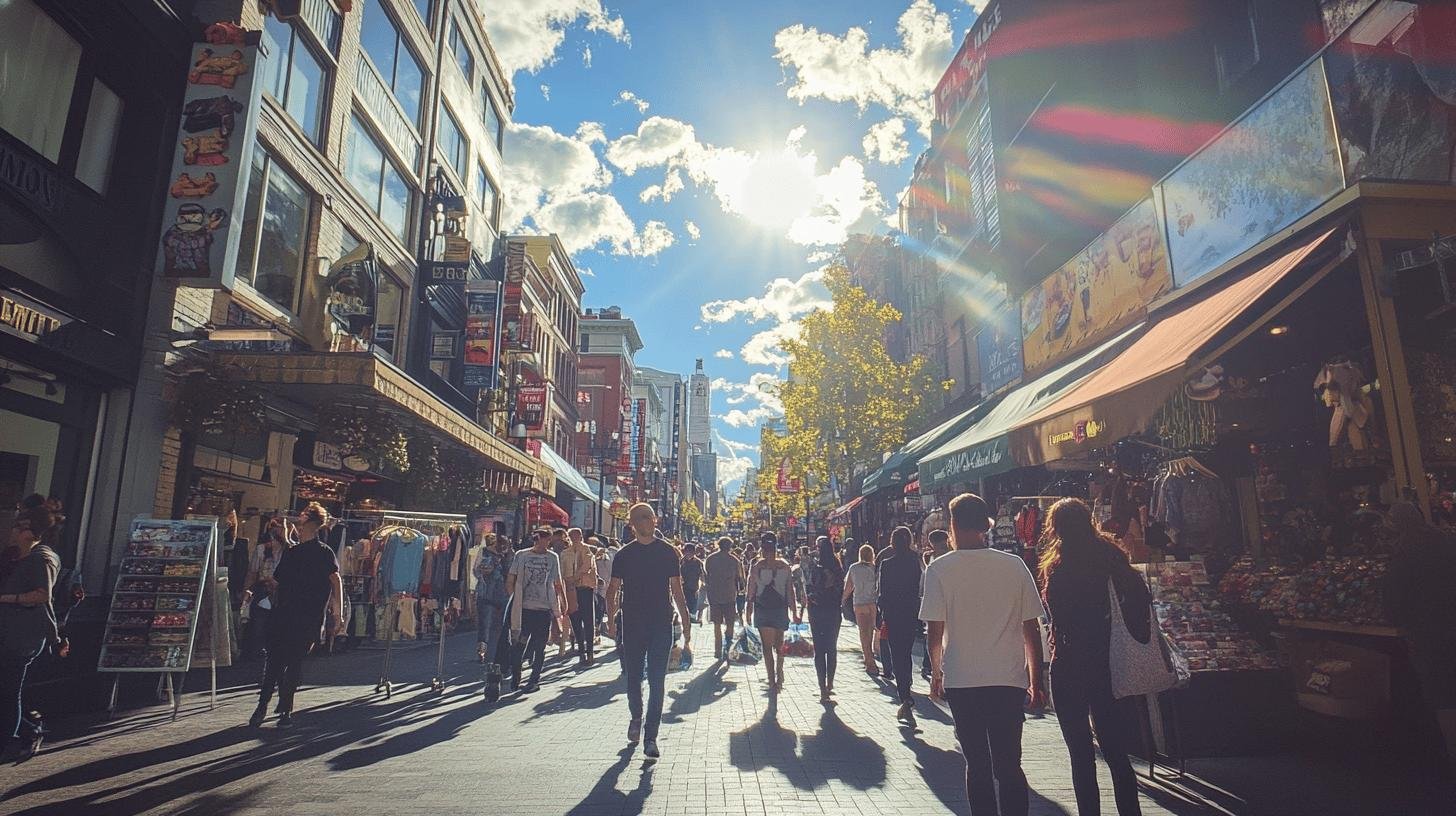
<point>778,189</point>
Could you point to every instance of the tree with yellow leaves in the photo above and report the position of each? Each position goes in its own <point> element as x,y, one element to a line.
<point>846,401</point>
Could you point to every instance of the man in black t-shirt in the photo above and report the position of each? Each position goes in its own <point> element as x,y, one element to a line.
<point>308,585</point>
<point>648,578</point>
<point>692,578</point>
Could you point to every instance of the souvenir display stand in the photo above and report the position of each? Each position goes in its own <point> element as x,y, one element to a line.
<point>167,577</point>
<point>393,584</point>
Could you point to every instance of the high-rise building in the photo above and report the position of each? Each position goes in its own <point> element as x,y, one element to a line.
<point>671,436</point>
<point>700,415</point>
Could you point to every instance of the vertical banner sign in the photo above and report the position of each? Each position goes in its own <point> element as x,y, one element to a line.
<point>998,348</point>
<point>203,223</point>
<point>531,408</point>
<point>481,333</point>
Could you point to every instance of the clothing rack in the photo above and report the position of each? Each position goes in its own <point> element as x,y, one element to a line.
<point>432,522</point>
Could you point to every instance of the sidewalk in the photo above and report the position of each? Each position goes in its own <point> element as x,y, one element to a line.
<point>729,748</point>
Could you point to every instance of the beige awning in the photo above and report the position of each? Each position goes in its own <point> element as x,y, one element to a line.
<point>324,378</point>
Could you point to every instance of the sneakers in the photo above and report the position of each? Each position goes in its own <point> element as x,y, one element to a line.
<point>650,749</point>
<point>634,731</point>
<point>906,713</point>
<point>285,720</point>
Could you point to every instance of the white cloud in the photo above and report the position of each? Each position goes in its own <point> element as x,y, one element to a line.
<point>782,299</point>
<point>819,256</point>
<point>723,354</point>
<point>733,466</point>
<point>591,132</point>
<point>629,98</point>
<point>692,229</point>
<point>586,57</point>
<point>780,188</point>
<point>764,348</point>
<point>885,142</point>
<point>557,184</point>
<point>761,387</point>
<point>845,69</point>
<point>527,33</point>
<point>751,418</point>
<point>546,92</point>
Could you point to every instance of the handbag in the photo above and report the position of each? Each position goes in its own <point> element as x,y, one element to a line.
<point>847,610</point>
<point>1138,668</point>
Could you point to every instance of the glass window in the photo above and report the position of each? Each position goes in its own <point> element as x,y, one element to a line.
<point>385,46</point>
<point>98,141</point>
<point>452,143</point>
<point>275,226</point>
<point>387,315</point>
<point>294,76</point>
<point>461,46</point>
<point>38,62</point>
<point>377,179</point>
<point>485,195</point>
<point>491,117</point>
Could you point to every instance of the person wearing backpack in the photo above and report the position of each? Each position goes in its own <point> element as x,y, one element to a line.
<point>1077,566</point>
<point>824,582</point>
<point>770,592</point>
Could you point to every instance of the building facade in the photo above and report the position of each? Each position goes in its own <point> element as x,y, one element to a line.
<point>607,345</point>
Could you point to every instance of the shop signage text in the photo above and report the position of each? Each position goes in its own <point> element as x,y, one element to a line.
<point>1082,431</point>
<point>447,273</point>
<point>28,178</point>
<point>985,456</point>
<point>531,408</point>
<point>25,318</point>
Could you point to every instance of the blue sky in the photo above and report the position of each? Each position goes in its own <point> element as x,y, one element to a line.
<point>701,160</point>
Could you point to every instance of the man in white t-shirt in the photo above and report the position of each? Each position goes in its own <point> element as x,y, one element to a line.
<point>982,609</point>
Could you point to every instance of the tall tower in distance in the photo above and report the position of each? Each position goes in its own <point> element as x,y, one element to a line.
<point>700,419</point>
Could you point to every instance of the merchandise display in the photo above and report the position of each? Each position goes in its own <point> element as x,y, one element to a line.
<point>1191,614</point>
<point>153,618</point>
<point>1342,590</point>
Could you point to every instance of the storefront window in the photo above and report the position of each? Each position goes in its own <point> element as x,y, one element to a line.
<point>387,319</point>
<point>294,76</point>
<point>38,62</point>
<point>377,179</point>
<point>396,63</point>
<point>46,430</point>
<point>98,142</point>
<point>272,255</point>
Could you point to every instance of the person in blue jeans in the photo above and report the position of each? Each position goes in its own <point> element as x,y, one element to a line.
<point>28,572</point>
<point>647,576</point>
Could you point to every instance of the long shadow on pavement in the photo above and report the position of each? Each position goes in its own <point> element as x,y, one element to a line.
<point>839,752</point>
<point>944,772</point>
<point>605,800</point>
<point>707,688</point>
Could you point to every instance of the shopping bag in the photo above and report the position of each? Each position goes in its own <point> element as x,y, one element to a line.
<point>1138,668</point>
<point>747,646</point>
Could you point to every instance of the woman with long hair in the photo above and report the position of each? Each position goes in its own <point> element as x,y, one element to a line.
<point>862,586</point>
<point>824,586</point>
<point>1077,564</point>
<point>771,591</point>
<point>27,620</point>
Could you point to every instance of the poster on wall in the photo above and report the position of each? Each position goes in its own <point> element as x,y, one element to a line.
<point>1267,170</point>
<point>1101,290</point>
<point>203,212</point>
<point>481,325</point>
<point>998,349</point>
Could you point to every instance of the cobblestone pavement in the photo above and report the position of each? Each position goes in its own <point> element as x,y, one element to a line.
<point>729,748</point>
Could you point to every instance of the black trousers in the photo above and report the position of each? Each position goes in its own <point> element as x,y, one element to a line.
<point>1084,699</point>
<point>535,631</point>
<point>283,664</point>
<point>988,722</point>
<point>582,621</point>
<point>824,629</point>
<point>901,642</point>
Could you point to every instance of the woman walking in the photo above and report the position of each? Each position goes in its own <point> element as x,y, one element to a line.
<point>770,591</point>
<point>27,621</point>
<point>824,585</point>
<point>1077,564</point>
<point>862,586</point>
<point>257,596</point>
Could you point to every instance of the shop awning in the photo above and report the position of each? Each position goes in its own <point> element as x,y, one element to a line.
<point>568,476</point>
<point>1120,398</point>
<point>323,378</point>
<point>984,448</point>
<point>900,467</point>
<point>842,512</point>
<point>545,511</point>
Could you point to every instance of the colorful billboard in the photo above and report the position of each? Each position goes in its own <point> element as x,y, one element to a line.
<point>1101,290</point>
<point>531,408</point>
<point>998,349</point>
<point>482,299</point>
<point>1262,174</point>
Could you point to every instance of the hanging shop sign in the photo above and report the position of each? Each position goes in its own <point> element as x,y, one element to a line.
<point>327,457</point>
<point>214,151</point>
<point>998,348</point>
<point>531,408</point>
<point>1266,171</point>
<point>1081,431</point>
<point>786,483</point>
<point>1103,289</point>
<point>482,333</point>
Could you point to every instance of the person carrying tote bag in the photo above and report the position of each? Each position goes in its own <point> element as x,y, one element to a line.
<point>1101,616</point>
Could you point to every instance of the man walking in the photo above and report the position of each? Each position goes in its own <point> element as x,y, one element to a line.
<point>692,578</point>
<point>308,584</point>
<point>579,572</point>
<point>648,578</point>
<point>724,574</point>
<point>900,571</point>
<point>983,611</point>
<point>535,588</point>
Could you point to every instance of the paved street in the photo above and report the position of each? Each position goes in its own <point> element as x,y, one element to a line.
<point>728,749</point>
